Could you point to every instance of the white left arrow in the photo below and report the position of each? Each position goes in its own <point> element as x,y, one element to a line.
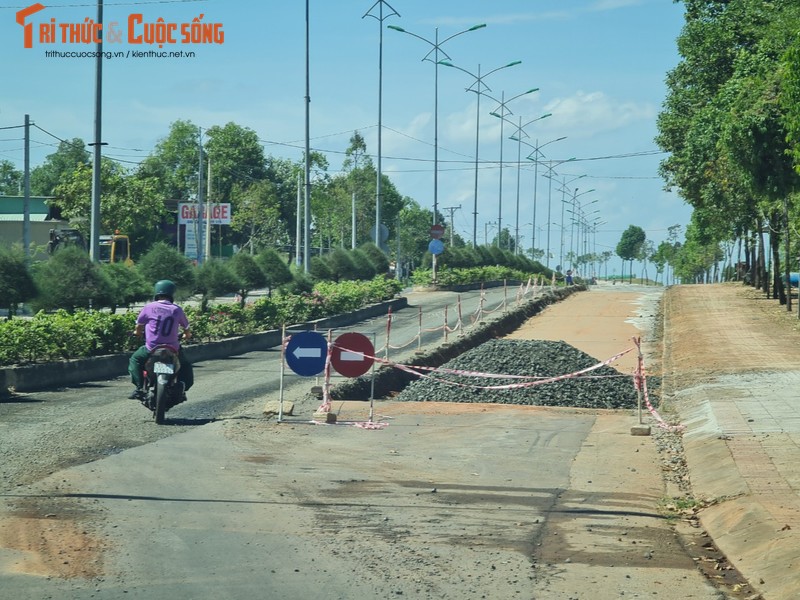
<point>307,352</point>
<point>346,355</point>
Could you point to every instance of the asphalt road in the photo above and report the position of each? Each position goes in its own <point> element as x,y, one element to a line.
<point>50,430</point>
<point>444,501</point>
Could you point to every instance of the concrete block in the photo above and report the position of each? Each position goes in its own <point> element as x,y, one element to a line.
<point>324,417</point>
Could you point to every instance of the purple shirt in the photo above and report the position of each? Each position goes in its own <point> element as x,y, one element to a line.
<point>162,321</point>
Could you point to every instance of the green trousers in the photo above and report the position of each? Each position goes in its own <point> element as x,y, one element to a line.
<point>139,358</point>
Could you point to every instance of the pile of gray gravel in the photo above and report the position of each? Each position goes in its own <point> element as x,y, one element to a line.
<point>602,388</point>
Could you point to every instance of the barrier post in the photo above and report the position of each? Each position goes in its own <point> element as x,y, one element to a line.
<point>388,333</point>
<point>372,384</point>
<point>459,316</point>
<point>419,334</point>
<point>445,323</point>
<point>640,376</point>
<point>283,370</point>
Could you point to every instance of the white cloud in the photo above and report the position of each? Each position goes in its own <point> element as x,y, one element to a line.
<point>587,113</point>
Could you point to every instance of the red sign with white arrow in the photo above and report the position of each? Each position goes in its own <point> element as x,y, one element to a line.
<point>352,354</point>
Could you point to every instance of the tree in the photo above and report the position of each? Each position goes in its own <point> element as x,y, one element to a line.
<point>175,162</point>
<point>236,157</point>
<point>10,179</point>
<point>248,273</point>
<point>341,265</point>
<point>728,116</point>
<point>377,257</point>
<point>59,165</point>
<point>257,216</point>
<point>631,244</point>
<point>215,278</point>
<point>364,267</point>
<point>70,280</point>
<point>125,284</point>
<point>320,269</point>
<point>275,269</point>
<point>504,240</point>
<point>165,262</point>
<point>414,223</point>
<point>131,204</point>
<point>16,283</point>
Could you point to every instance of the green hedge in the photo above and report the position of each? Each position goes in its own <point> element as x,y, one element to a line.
<point>447,276</point>
<point>62,336</point>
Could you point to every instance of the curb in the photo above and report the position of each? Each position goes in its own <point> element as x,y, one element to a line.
<point>37,377</point>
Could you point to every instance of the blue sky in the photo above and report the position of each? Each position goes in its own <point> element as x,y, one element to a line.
<point>599,66</point>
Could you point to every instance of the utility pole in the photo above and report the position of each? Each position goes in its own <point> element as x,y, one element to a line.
<point>94,242</point>
<point>200,207</point>
<point>26,203</point>
<point>452,209</point>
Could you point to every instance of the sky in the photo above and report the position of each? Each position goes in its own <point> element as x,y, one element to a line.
<point>598,66</point>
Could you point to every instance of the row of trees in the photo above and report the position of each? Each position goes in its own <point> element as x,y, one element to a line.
<point>261,189</point>
<point>70,280</point>
<point>731,125</point>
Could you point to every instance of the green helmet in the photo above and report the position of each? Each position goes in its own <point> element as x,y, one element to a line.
<point>164,288</point>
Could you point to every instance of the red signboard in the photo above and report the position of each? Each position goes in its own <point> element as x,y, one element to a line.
<point>352,354</point>
<point>220,214</point>
<point>437,231</point>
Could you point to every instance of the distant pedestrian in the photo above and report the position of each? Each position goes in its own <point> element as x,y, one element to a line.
<point>568,278</point>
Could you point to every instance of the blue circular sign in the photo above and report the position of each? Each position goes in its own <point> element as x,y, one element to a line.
<point>436,247</point>
<point>306,353</point>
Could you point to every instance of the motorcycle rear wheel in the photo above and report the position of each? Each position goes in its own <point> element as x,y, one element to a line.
<point>161,403</point>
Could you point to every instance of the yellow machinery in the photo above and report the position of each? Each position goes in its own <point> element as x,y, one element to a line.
<point>115,248</point>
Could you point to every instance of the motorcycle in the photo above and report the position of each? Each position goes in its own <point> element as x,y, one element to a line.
<point>162,390</point>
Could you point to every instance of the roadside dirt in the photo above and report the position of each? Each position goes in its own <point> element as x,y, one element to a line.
<point>726,329</point>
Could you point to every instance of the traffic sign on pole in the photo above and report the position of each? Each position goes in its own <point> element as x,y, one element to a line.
<point>306,353</point>
<point>352,354</point>
<point>437,231</point>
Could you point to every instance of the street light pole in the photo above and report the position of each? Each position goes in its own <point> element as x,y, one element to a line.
<point>502,107</point>
<point>564,189</point>
<point>551,167</point>
<point>436,48</point>
<point>478,84</point>
<point>535,154</point>
<point>518,135</point>
<point>580,219</point>
<point>307,164</point>
<point>378,191</point>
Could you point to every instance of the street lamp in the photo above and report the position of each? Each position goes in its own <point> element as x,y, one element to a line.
<point>378,192</point>
<point>436,48</point>
<point>535,154</point>
<point>486,232</point>
<point>551,167</point>
<point>564,190</point>
<point>502,116</point>
<point>478,85</point>
<point>580,217</point>
<point>520,133</point>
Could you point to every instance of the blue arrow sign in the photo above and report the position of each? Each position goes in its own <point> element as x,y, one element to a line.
<point>306,353</point>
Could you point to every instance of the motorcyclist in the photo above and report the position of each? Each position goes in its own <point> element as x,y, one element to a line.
<point>161,322</point>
